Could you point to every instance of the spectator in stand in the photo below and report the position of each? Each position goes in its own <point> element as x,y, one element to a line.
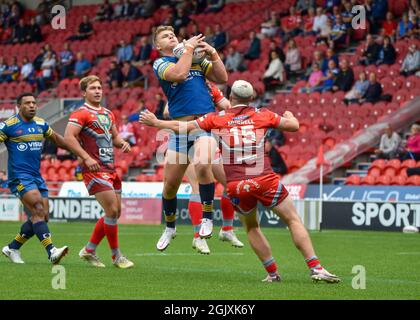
<point>3,180</point>
<point>320,20</point>
<point>373,92</point>
<point>220,37</point>
<point>42,12</point>
<point>118,9</point>
<point>66,61</point>
<point>34,33</point>
<point>379,10</point>
<point>181,19</point>
<point>234,60</point>
<point>47,71</point>
<point>389,26</point>
<point>274,73</point>
<point>329,78</point>
<point>20,32</point>
<point>359,89</point>
<point>318,57</point>
<point>125,52</point>
<point>370,52</point>
<point>254,50</point>
<point>130,74</point>
<point>347,15</point>
<point>27,71</point>
<point>412,145</point>
<point>85,30</point>
<point>14,16</point>
<point>387,53</point>
<point>367,6</point>
<point>275,138</point>
<point>183,34</point>
<point>214,6</point>
<point>126,130</point>
<point>161,103</point>
<point>314,81</point>
<point>325,33</point>
<point>146,9</point>
<point>330,4</point>
<point>3,66</point>
<point>280,53</point>
<point>338,35</point>
<point>135,116</point>
<point>105,12</point>
<point>405,27</point>
<point>293,61</point>
<point>82,66</point>
<point>198,6</point>
<point>303,6</point>
<point>345,78</point>
<point>49,49</point>
<point>145,50</point>
<point>308,22</point>
<point>115,76</point>
<point>39,59</point>
<point>411,63</point>
<point>11,73</point>
<point>388,147</point>
<point>195,31</point>
<point>209,34</point>
<point>270,27</point>
<point>329,55</point>
<point>293,25</point>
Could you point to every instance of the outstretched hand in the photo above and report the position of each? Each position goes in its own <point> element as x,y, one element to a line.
<point>148,118</point>
<point>288,114</point>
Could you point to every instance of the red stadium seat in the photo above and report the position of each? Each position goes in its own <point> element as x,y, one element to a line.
<point>398,180</point>
<point>383,180</point>
<point>368,180</point>
<point>353,180</point>
<point>413,181</point>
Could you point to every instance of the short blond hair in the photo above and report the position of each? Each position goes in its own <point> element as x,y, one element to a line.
<point>159,30</point>
<point>86,81</point>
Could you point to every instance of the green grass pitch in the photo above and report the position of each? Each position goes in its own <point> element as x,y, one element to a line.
<point>391,261</point>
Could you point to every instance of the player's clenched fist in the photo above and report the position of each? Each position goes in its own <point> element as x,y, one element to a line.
<point>92,164</point>
<point>148,118</point>
<point>125,147</point>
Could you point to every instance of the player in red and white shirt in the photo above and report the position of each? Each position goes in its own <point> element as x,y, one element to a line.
<point>250,179</point>
<point>91,134</point>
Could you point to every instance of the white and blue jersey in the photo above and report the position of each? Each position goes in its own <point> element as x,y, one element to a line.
<point>189,97</point>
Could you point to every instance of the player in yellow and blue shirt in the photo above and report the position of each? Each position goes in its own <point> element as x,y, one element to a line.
<point>23,135</point>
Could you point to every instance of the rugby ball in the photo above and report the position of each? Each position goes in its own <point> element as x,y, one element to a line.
<point>410,229</point>
<point>198,55</point>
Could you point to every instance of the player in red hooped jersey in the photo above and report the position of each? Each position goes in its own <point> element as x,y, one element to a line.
<point>91,134</point>
<point>241,131</point>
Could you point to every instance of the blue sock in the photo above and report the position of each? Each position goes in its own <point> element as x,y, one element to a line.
<point>26,232</point>
<point>207,197</point>
<point>169,209</point>
<point>43,233</point>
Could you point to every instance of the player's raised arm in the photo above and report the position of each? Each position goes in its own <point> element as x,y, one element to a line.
<point>149,119</point>
<point>118,141</point>
<point>217,73</point>
<point>288,122</point>
<point>70,138</point>
<point>179,71</point>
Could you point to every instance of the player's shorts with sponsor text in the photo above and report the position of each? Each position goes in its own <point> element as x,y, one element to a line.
<point>245,194</point>
<point>101,181</point>
<point>19,186</point>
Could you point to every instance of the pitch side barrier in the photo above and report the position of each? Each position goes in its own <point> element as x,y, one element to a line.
<point>359,143</point>
<point>344,215</point>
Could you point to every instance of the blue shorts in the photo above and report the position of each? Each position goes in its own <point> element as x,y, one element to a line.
<point>20,186</point>
<point>183,142</point>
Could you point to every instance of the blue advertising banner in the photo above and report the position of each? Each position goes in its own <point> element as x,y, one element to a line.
<point>365,193</point>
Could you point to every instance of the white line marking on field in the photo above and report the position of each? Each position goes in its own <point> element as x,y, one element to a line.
<point>187,254</point>
<point>409,253</point>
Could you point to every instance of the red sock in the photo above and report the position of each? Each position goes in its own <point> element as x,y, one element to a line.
<point>313,263</point>
<point>196,214</point>
<point>111,232</point>
<point>98,233</point>
<point>270,266</point>
<point>228,213</point>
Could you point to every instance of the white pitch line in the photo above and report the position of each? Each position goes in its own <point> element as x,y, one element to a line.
<point>408,253</point>
<point>188,254</point>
